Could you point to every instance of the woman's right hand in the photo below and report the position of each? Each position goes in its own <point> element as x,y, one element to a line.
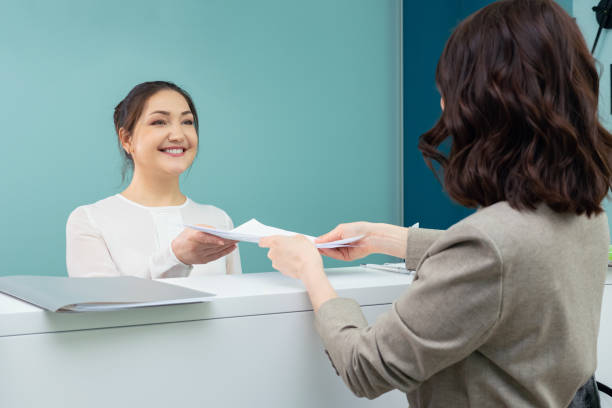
<point>193,247</point>
<point>378,238</point>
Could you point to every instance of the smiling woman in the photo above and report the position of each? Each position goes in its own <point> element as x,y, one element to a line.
<point>140,231</point>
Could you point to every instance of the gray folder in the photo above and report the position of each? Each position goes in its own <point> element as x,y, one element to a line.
<point>57,293</point>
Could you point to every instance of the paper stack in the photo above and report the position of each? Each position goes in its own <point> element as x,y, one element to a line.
<point>253,231</point>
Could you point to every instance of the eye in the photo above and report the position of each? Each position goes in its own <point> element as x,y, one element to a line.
<point>188,122</point>
<point>158,122</point>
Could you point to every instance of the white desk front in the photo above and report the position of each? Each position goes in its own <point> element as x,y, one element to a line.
<point>604,343</point>
<point>254,345</point>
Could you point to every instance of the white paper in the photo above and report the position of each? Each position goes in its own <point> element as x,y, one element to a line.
<point>390,267</point>
<point>101,307</point>
<point>253,231</point>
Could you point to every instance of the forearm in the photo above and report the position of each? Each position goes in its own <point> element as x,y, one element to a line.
<point>418,241</point>
<point>165,264</point>
<point>354,350</point>
<point>381,238</point>
<point>318,287</point>
<point>401,242</point>
<point>390,240</point>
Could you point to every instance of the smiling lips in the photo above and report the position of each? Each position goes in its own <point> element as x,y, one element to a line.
<point>173,151</point>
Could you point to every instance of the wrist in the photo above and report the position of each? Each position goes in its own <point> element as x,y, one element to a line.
<point>391,240</point>
<point>311,272</point>
<point>319,288</point>
<point>176,255</point>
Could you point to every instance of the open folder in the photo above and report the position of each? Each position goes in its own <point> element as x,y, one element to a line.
<point>57,293</point>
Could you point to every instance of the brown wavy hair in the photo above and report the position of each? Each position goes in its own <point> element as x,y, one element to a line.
<point>520,90</point>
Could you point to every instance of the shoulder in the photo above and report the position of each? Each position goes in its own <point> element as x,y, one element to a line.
<point>500,225</point>
<point>517,232</point>
<point>485,233</point>
<point>500,221</point>
<point>78,215</point>
<point>105,203</point>
<point>502,215</point>
<point>210,213</point>
<point>86,213</point>
<point>466,241</point>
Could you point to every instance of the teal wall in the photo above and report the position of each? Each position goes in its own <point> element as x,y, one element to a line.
<point>426,28</point>
<point>568,5</point>
<point>299,103</point>
<point>582,11</point>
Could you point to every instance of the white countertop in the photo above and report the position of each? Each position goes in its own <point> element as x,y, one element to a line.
<point>237,295</point>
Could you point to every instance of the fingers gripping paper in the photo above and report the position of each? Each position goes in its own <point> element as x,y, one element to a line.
<point>253,231</point>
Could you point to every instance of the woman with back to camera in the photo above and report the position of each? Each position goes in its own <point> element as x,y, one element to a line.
<point>140,231</point>
<point>505,306</point>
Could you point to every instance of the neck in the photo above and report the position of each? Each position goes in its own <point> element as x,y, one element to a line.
<point>154,190</point>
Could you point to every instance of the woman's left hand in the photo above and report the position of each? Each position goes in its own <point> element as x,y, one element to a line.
<point>294,256</point>
<point>298,257</point>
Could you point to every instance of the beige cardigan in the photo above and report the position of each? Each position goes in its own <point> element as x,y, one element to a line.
<point>504,311</point>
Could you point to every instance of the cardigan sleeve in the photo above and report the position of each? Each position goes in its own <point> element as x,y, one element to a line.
<point>419,240</point>
<point>445,314</point>
<point>165,264</point>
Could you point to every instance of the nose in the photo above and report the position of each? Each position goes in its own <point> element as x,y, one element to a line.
<point>176,134</point>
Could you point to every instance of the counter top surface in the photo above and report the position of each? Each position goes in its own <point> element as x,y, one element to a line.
<point>236,295</point>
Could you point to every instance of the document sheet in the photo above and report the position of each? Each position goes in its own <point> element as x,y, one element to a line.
<point>253,231</point>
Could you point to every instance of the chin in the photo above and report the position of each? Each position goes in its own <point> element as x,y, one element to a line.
<point>176,171</point>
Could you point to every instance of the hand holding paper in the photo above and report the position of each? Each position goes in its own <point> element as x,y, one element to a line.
<point>253,231</point>
<point>361,229</point>
<point>192,248</point>
<point>297,257</point>
<point>375,238</point>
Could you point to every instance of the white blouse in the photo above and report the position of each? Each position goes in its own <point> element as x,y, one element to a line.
<point>116,236</point>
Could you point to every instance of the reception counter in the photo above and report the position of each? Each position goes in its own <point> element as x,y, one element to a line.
<point>604,344</point>
<point>253,345</point>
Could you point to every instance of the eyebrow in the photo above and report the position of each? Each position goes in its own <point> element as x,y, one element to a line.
<point>168,113</point>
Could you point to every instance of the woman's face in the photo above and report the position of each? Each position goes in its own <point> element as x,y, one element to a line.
<point>164,141</point>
